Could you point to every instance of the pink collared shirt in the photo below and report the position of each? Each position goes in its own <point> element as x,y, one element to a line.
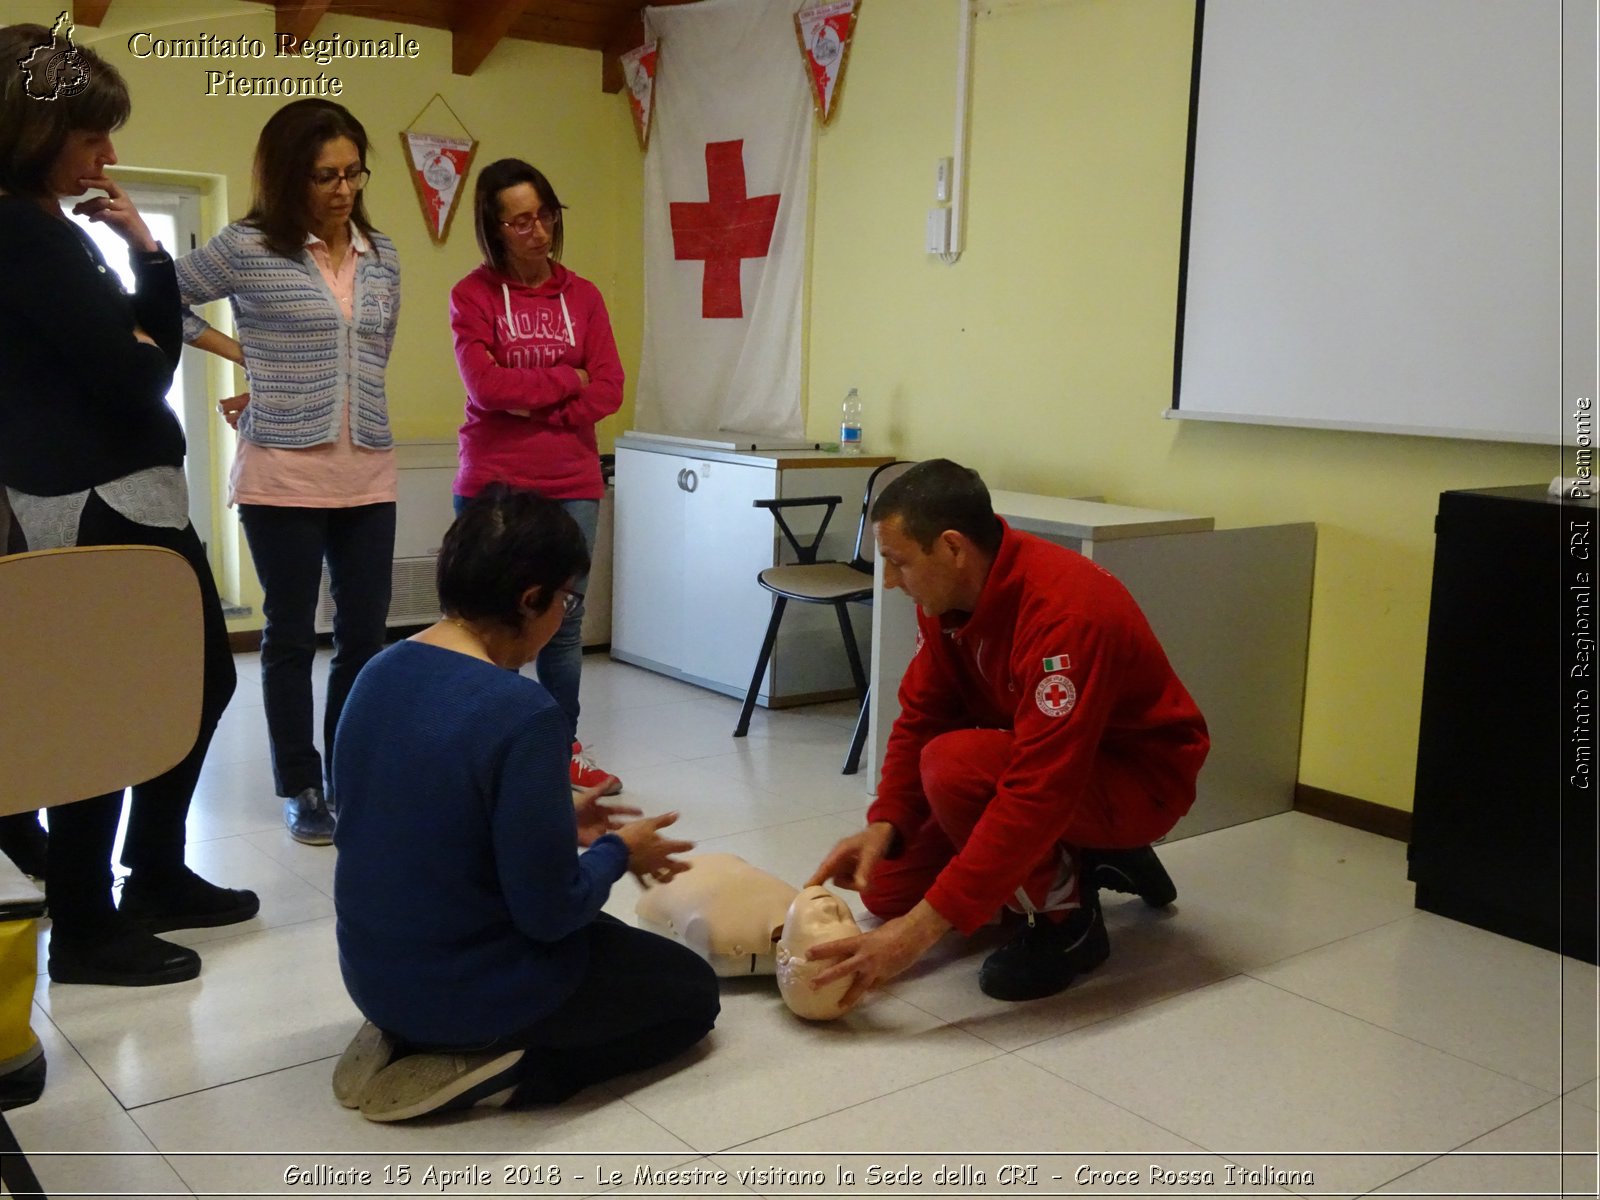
<point>339,474</point>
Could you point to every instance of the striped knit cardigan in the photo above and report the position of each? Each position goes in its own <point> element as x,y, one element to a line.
<point>301,356</point>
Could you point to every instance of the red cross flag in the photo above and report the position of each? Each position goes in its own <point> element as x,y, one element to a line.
<point>725,198</point>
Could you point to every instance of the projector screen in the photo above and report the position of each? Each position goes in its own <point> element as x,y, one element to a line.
<point>1373,215</point>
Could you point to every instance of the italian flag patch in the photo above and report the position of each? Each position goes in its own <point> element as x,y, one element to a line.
<point>1061,662</point>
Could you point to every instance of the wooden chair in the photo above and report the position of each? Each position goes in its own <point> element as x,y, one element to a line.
<point>829,582</point>
<point>101,659</point>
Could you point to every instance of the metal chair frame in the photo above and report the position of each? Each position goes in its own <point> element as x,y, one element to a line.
<point>806,555</point>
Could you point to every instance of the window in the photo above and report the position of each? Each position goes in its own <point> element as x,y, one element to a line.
<point>173,215</point>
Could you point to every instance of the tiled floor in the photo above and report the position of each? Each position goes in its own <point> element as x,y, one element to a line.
<point>1291,1020</point>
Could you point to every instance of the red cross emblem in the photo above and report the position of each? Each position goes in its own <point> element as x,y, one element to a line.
<point>1055,695</point>
<point>730,227</point>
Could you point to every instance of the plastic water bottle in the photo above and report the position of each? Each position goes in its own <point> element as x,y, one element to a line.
<point>850,424</point>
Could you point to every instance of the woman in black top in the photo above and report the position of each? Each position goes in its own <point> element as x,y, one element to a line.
<point>90,454</point>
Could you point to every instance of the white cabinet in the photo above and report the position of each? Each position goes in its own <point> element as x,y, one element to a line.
<point>689,544</point>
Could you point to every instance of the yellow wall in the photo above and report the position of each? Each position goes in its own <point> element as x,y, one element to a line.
<point>1043,358</point>
<point>541,103</point>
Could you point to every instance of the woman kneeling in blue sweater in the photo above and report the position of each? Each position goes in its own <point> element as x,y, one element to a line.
<point>469,927</point>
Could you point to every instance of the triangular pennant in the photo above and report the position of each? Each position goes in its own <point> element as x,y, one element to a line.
<point>438,164</point>
<point>639,69</point>
<point>824,31</point>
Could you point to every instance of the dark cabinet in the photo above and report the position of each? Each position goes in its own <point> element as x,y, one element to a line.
<point>1503,828</point>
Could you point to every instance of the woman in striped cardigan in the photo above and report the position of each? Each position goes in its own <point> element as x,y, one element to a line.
<point>315,294</point>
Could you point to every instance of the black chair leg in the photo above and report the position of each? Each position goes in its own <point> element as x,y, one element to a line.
<point>858,739</point>
<point>850,650</point>
<point>16,1174</point>
<point>743,727</point>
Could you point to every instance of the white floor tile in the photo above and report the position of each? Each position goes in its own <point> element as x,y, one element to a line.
<point>73,1092</point>
<point>314,864</point>
<point>263,1000</point>
<point>1247,913</point>
<point>1373,865</point>
<point>290,1118</point>
<point>233,798</point>
<point>763,1069</point>
<point>709,805</point>
<point>1586,1095</point>
<point>810,774</point>
<point>1245,1069</point>
<point>1149,961</point>
<point>99,1157</point>
<point>1398,1037</point>
<point>1482,997</point>
<point>997,1105</point>
<point>1550,1151</point>
<point>607,686</point>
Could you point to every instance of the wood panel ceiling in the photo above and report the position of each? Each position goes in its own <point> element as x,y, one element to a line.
<point>476,26</point>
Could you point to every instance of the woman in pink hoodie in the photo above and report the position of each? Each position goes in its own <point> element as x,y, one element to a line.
<point>536,353</point>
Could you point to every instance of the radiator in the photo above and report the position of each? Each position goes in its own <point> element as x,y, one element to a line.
<point>423,511</point>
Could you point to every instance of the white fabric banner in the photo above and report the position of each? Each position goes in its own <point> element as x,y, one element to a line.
<point>725,197</point>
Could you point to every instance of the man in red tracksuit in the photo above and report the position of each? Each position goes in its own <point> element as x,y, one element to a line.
<point>1044,742</point>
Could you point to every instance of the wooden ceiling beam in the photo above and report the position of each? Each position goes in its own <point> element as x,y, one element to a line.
<point>297,19</point>
<point>625,35</point>
<point>487,21</point>
<point>89,12</point>
<point>628,34</point>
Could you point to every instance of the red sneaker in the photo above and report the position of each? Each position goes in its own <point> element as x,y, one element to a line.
<point>586,775</point>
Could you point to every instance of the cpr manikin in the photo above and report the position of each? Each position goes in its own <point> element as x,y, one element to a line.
<point>815,916</point>
<point>725,910</point>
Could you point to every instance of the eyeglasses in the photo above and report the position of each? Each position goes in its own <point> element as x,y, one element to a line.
<point>570,600</point>
<point>523,222</point>
<point>328,181</point>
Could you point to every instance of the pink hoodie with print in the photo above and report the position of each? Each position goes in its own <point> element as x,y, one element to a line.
<point>530,420</point>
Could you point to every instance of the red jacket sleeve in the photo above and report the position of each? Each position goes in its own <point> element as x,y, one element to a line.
<point>1046,780</point>
<point>929,706</point>
<point>490,385</point>
<point>603,395</point>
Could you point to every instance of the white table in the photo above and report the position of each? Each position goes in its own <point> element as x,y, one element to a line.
<point>1232,609</point>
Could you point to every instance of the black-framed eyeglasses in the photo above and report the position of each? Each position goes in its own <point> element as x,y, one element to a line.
<point>570,600</point>
<point>523,222</point>
<point>328,181</point>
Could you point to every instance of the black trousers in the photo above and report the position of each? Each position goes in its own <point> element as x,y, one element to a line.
<point>78,885</point>
<point>644,1000</point>
<point>289,545</point>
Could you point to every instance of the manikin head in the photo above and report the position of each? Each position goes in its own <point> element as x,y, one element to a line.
<point>815,916</point>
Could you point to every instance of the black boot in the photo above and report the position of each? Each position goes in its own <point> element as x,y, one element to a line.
<point>1136,872</point>
<point>1048,955</point>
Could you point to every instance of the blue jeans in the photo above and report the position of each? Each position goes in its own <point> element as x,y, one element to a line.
<point>560,664</point>
<point>289,545</point>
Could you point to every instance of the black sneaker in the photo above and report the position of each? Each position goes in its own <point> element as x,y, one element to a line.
<point>183,901</point>
<point>1046,956</point>
<point>308,819</point>
<point>125,958</point>
<point>1134,872</point>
